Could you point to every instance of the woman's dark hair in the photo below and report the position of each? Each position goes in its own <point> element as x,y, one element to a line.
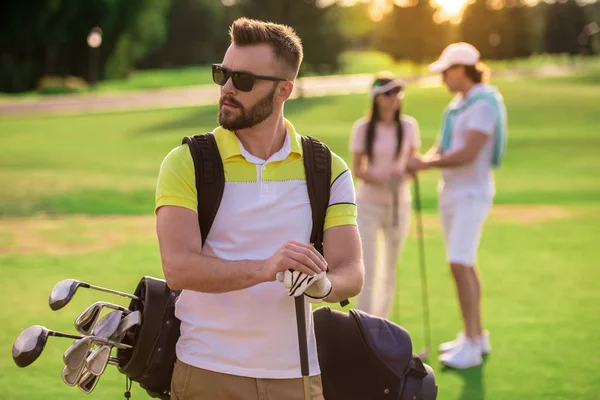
<point>375,117</point>
<point>477,73</point>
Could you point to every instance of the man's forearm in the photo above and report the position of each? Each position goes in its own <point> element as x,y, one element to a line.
<point>455,159</point>
<point>346,281</point>
<point>202,273</point>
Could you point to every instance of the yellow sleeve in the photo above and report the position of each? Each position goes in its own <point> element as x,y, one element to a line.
<point>176,185</point>
<point>342,199</point>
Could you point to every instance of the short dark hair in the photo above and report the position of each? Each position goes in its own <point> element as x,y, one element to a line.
<point>477,73</point>
<point>283,39</point>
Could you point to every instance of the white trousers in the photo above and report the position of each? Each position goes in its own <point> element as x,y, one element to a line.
<point>379,288</point>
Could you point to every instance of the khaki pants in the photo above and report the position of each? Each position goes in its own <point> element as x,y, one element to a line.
<point>191,383</point>
<point>379,286</point>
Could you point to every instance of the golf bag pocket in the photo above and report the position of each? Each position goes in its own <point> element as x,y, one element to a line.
<point>151,361</point>
<point>366,357</point>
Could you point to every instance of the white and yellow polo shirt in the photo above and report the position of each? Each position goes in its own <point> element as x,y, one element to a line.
<point>251,332</point>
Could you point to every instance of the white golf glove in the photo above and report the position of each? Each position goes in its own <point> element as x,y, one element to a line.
<point>316,287</point>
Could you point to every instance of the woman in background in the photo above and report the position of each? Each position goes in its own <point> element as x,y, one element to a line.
<point>381,146</point>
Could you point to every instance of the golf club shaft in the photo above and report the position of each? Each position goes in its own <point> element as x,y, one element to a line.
<point>395,207</point>
<point>64,335</point>
<point>87,285</point>
<point>424,292</point>
<point>303,346</point>
<point>94,338</point>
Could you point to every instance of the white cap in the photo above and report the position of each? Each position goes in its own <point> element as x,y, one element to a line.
<point>455,54</point>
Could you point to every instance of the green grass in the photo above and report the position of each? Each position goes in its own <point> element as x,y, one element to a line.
<point>352,62</point>
<point>161,78</point>
<point>539,268</point>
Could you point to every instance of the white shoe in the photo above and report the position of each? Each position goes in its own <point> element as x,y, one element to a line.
<point>449,346</point>
<point>466,355</point>
<point>484,343</point>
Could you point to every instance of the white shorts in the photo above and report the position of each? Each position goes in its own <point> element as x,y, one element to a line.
<point>462,221</point>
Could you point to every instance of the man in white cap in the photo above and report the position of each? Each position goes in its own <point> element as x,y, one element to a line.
<point>471,143</point>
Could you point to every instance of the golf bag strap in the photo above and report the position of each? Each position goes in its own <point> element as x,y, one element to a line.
<point>317,166</point>
<point>210,178</point>
<point>418,369</point>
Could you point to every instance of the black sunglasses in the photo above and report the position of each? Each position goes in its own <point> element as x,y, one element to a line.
<point>243,81</point>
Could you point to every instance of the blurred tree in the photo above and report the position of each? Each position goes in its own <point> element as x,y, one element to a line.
<point>318,27</point>
<point>198,34</point>
<point>515,29</point>
<point>565,22</point>
<point>480,27</point>
<point>356,25</point>
<point>49,38</point>
<point>410,33</point>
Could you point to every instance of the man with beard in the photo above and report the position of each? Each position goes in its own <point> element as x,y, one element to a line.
<point>238,329</point>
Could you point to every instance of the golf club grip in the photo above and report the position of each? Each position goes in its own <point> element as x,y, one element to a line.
<point>302,343</point>
<point>395,207</point>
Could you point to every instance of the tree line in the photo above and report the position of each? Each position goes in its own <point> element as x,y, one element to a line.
<point>50,37</point>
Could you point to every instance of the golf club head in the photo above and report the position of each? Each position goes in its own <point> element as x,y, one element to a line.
<point>88,382</point>
<point>107,326</point>
<point>128,322</point>
<point>97,361</point>
<point>29,345</point>
<point>71,376</point>
<point>62,293</point>
<point>75,355</point>
<point>84,323</point>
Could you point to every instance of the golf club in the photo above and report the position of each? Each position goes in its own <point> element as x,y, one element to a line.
<point>424,293</point>
<point>126,323</point>
<point>86,321</point>
<point>31,342</point>
<point>303,346</point>
<point>107,326</point>
<point>63,292</point>
<point>71,376</point>
<point>394,185</point>
<point>88,382</point>
<point>75,355</point>
<point>97,361</point>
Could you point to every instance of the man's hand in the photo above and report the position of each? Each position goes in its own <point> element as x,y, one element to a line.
<point>316,287</point>
<point>295,256</point>
<point>415,164</point>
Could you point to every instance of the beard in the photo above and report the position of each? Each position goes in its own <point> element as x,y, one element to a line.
<point>246,118</point>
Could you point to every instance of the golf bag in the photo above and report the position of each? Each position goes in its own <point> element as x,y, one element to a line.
<point>151,361</point>
<point>366,357</point>
<point>356,350</point>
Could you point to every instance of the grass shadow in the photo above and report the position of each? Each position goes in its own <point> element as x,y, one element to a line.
<point>473,381</point>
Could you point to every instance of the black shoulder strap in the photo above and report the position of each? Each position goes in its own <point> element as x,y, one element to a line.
<point>317,167</point>
<point>210,178</point>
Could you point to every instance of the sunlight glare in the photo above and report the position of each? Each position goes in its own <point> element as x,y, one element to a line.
<point>449,10</point>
